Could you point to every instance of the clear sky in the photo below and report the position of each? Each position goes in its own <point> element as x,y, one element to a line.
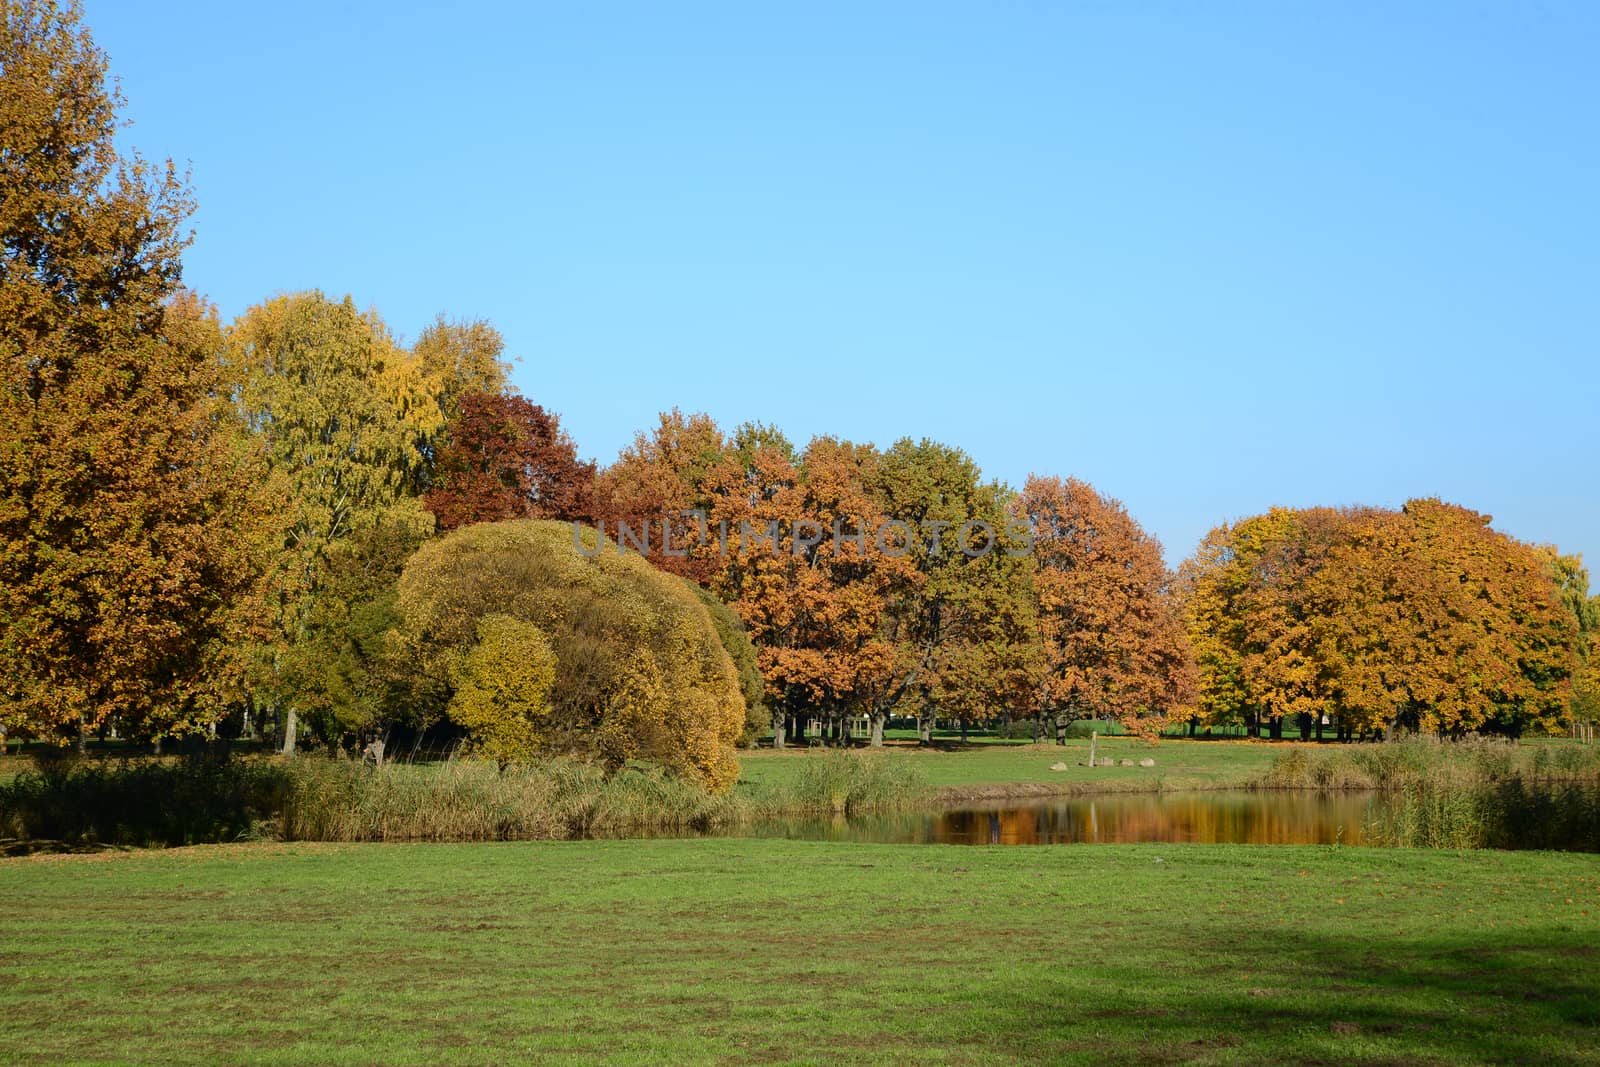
<point>1210,257</point>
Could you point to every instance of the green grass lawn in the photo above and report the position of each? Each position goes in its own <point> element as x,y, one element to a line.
<point>747,951</point>
<point>1179,764</point>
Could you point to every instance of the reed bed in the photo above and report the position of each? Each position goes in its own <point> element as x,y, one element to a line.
<point>77,803</point>
<point>1508,814</point>
<point>1430,762</point>
<point>1475,792</point>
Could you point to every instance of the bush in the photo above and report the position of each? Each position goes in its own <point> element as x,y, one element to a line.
<point>502,686</point>
<point>640,670</point>
<point>1016,730</point>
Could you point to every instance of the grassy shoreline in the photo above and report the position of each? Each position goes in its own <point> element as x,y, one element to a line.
<point>718,951</point>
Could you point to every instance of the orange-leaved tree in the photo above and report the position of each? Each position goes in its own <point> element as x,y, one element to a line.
<point>799,559</point>
<point>657,487</point>
<point>1113,638</point>
<point>1424,618</point>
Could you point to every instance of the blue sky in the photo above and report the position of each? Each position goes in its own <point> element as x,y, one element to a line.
<point>1210,257</point>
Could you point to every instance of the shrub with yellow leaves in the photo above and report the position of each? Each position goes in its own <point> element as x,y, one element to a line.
<point>639,670</point>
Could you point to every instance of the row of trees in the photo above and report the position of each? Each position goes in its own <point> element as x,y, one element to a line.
<point>1068,611</point>
<point>206,524</point>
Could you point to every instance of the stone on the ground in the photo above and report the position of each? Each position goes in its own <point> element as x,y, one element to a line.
<point>1127,763</point>
<point>1105,761</point>
<point>1058,766</point>
<point>1147,762</point>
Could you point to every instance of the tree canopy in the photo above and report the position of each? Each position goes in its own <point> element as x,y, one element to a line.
<point>1423,618</point>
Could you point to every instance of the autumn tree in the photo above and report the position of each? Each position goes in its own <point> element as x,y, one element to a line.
<point>505,457</point>
<point>460,358</point>
<point>1586,680</point>
<point>802,564</point>
<point>129,525</point>
<point>658,488</point>
<point>1209,587</point>
<point>1113,640</point>
<point>1285,619</point>
<point>1571,580</point>
<point>966,631</point>
<point>1438,622</point>
<point>341,414</point>
<point>1424,618</point>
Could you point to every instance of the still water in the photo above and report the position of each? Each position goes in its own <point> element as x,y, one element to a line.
<point>1207,818</point>
<point>1538,820</point>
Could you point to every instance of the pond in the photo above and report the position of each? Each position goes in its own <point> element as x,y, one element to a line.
<point>1529,819</point>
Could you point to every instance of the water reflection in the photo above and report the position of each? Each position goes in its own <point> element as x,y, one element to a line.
<point>1279,818</point>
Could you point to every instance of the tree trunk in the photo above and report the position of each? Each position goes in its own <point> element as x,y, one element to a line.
<point>963,723</point>
<point>1319,727</point>
<point>877,730</point>
<point>778,723</point>
<point>925,725</point>
<point>1276,728</point>
<point>1061,730</point>
<point>291,726</point>
<point>1192,723</point>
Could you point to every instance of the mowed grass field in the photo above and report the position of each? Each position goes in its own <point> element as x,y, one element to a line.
<point>1179,765</point>
<point>722,951</point>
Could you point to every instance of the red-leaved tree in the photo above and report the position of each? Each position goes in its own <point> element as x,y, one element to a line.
<point>506,457</point>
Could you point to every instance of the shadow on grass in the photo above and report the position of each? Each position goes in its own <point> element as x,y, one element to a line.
<point>1313,999</point>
